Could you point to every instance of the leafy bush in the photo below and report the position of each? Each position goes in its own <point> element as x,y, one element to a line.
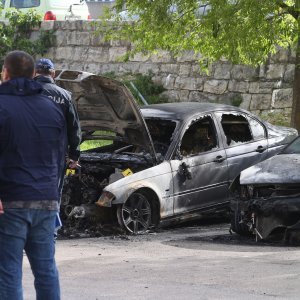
<point>15,34</point>
<point>236,101</point>
<point>150,90</point>
<point>145,85</point>
<point>277,118</point>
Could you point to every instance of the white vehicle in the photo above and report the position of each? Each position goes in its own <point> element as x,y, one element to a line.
<point>51,9</point>
<point>161,163</point>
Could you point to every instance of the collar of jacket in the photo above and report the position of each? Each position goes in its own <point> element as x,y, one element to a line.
<point>20,86</point>
<point>44,79</point>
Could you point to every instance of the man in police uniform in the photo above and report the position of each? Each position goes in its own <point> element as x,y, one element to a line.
<point>45,74</point>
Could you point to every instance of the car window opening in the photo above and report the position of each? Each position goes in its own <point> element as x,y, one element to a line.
<point>200,137</point>
<point>258,131</point>
<point>236,129</point>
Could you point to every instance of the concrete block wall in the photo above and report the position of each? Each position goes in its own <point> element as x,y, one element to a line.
<point>264,89</point>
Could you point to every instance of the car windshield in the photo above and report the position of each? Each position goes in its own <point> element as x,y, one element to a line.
<point>293,148</point>
<point>24,3</point>
<point>161,132</point>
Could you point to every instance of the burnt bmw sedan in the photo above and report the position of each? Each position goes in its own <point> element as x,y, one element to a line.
<point>267,197</point>
<point>161,163</point>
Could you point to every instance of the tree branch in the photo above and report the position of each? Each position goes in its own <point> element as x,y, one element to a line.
<point>289,9</point>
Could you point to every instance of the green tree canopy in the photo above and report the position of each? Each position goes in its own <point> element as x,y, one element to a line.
<point>242,31</point>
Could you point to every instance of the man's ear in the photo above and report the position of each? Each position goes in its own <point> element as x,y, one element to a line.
<point>52,74</point>
<point>5,74</point>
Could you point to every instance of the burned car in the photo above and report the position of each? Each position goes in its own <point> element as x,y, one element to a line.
<point>163,163</point>
<point>267,197</point>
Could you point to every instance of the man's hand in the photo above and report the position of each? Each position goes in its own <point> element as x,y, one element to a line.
<point>73,164</point>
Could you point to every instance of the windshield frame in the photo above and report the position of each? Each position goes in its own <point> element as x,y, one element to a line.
<point>291,149</point>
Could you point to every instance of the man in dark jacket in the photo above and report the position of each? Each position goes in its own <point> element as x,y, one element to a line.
<point>45,74</point>
<point>32,148</point>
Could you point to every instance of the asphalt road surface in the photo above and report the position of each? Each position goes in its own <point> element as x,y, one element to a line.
<point>195,261</point>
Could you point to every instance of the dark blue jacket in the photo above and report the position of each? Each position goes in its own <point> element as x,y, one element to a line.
<point>32,142</point>
<point>63,99</point>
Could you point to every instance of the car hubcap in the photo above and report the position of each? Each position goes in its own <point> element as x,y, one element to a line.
<point>136,214</point>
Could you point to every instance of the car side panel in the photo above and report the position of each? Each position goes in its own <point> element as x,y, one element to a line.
<point>157,178</point>
<point>207,185</point>
<point>243,154</point>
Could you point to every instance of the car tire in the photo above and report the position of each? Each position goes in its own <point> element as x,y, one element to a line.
<point>237,226</point>
<point>135,214</point>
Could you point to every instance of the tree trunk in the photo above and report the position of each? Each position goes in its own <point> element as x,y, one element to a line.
<point>295,121</point>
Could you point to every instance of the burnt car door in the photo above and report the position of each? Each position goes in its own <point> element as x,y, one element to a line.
<point>245,140</point>
<point>199,167</point>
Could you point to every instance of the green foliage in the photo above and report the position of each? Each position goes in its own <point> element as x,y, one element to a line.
<point>277,118</point>
<point>241,31</point>
<point>15,35</point>
<point>110,74</point>
<point>150,90</point>
<point>147,88</point>
<point>92,144</point>
<point>236,101</point>
<point>244,31</point>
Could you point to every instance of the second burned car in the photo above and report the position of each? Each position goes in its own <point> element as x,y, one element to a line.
<point>162,163</point>
<point>266,198</point>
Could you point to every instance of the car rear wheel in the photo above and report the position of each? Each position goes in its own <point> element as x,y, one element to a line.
<point>135,214</point>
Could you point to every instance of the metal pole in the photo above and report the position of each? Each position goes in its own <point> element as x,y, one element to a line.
<point>139,94</point>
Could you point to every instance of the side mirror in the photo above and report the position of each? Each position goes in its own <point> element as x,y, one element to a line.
<point>184,171</point>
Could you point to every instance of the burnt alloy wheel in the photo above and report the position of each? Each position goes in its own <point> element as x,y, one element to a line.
<point>135,214</point>
<point>237,225</point>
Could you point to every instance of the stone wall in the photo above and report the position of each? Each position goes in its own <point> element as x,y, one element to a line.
<point>260,90</point>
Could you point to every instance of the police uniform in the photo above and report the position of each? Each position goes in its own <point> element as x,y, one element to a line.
<point>63,99</point>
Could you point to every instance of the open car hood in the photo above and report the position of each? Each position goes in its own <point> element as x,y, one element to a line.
<point>105,104</point>
<point>279,169</point>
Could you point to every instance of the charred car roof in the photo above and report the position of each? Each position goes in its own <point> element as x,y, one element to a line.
<point>183,110</point>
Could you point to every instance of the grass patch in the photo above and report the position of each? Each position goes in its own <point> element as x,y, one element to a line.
<point>91,144</point>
